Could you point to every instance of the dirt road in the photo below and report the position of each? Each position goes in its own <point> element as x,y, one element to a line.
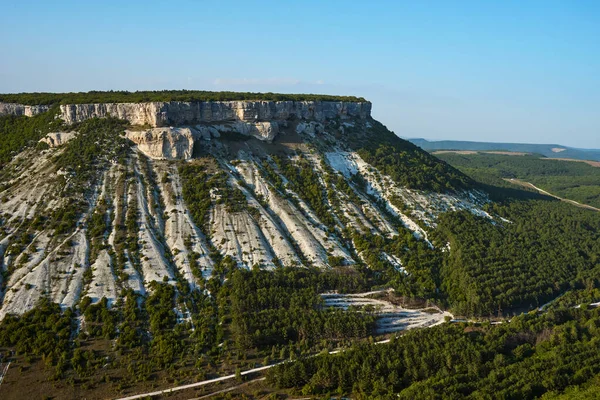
<point>542,191</point>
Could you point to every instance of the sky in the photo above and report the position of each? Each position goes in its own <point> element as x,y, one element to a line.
<point>506,71</point>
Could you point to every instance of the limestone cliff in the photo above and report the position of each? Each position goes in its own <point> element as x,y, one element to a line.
<point>164,143</point>
<point>20,109</point>
<point>265,131</point>
<point>188,113</point>
<point>260,119</point>
<point>55,139</point>
<point>171,143</point>
<point>158,114</point>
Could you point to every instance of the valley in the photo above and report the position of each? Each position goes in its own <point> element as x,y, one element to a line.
<point>542,191</point>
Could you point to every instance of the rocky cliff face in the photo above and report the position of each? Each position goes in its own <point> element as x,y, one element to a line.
<point>260,119</point>
<point>164,143</point>
<point>188,113</point>
<point>265,131</point>
<point>20,109</point>
<point>55,139</point>
<point>172,143</point>
<point>159,114</point>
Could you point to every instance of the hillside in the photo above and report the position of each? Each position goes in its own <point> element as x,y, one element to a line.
<point>569,179</point>
<point>148,245</point>
<point>547,150</point>
<point>261,193</point>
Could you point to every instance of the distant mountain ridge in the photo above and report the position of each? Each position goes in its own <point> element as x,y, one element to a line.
<point>547,150</point>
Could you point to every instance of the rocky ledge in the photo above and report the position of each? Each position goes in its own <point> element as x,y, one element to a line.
<point>164,143</point>
<point>21,109</point>
<point>178,142</point>
<point>172,127</point>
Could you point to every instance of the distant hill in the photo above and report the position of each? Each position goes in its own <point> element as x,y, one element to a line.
<point>547,150</point>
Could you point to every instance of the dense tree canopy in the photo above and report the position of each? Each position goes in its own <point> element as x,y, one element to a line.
<point>573,180</point>
<point>524,359</point>
<point>160,95</point>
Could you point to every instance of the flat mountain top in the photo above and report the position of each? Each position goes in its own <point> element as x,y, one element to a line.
<point>161,95</point>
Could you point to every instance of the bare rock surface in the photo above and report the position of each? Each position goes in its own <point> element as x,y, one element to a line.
<point>164,143</point>
<point>177,113</point>
<point>21,109</point>
<point>55,139</point>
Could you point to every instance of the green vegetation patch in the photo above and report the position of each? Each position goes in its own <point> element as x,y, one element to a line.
<point>568,179</point>
<point>162,95</point>
<point>17,133</point>
<point>305,180</point>
<point>524,359</point>
<point>274,308</point>
<point>548,248</point>
<point>407,164</point>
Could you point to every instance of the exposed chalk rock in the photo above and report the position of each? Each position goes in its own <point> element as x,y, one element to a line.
<point>203,132</point>
<point>310,128</point>
<point>164,143</point>
<point>177,113</point>
<point>21,109</point>
<point>56,139</point>
<point>261,130</point>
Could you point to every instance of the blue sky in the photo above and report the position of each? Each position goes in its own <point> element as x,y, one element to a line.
<point>467,70</point>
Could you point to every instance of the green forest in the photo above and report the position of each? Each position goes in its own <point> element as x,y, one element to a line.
<point>548,247</point>
<point>542,250</point>
<point>533,355</point>
<point>568,179</point>
<point>161,95</point>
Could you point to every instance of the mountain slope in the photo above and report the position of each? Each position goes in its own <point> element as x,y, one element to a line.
<point>100,214</point>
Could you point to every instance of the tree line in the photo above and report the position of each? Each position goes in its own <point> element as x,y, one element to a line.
<point>120,96</point>
<point>531,356</point>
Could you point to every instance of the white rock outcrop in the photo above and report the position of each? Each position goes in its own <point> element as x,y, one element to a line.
<point>55,139</point>
<point>178,143</point>
<point>310,128</point>
<point>261,130</point>
<point>260,119</point>
<point>21,109</point>
<point>164,143</point>
<point>177,113</point>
